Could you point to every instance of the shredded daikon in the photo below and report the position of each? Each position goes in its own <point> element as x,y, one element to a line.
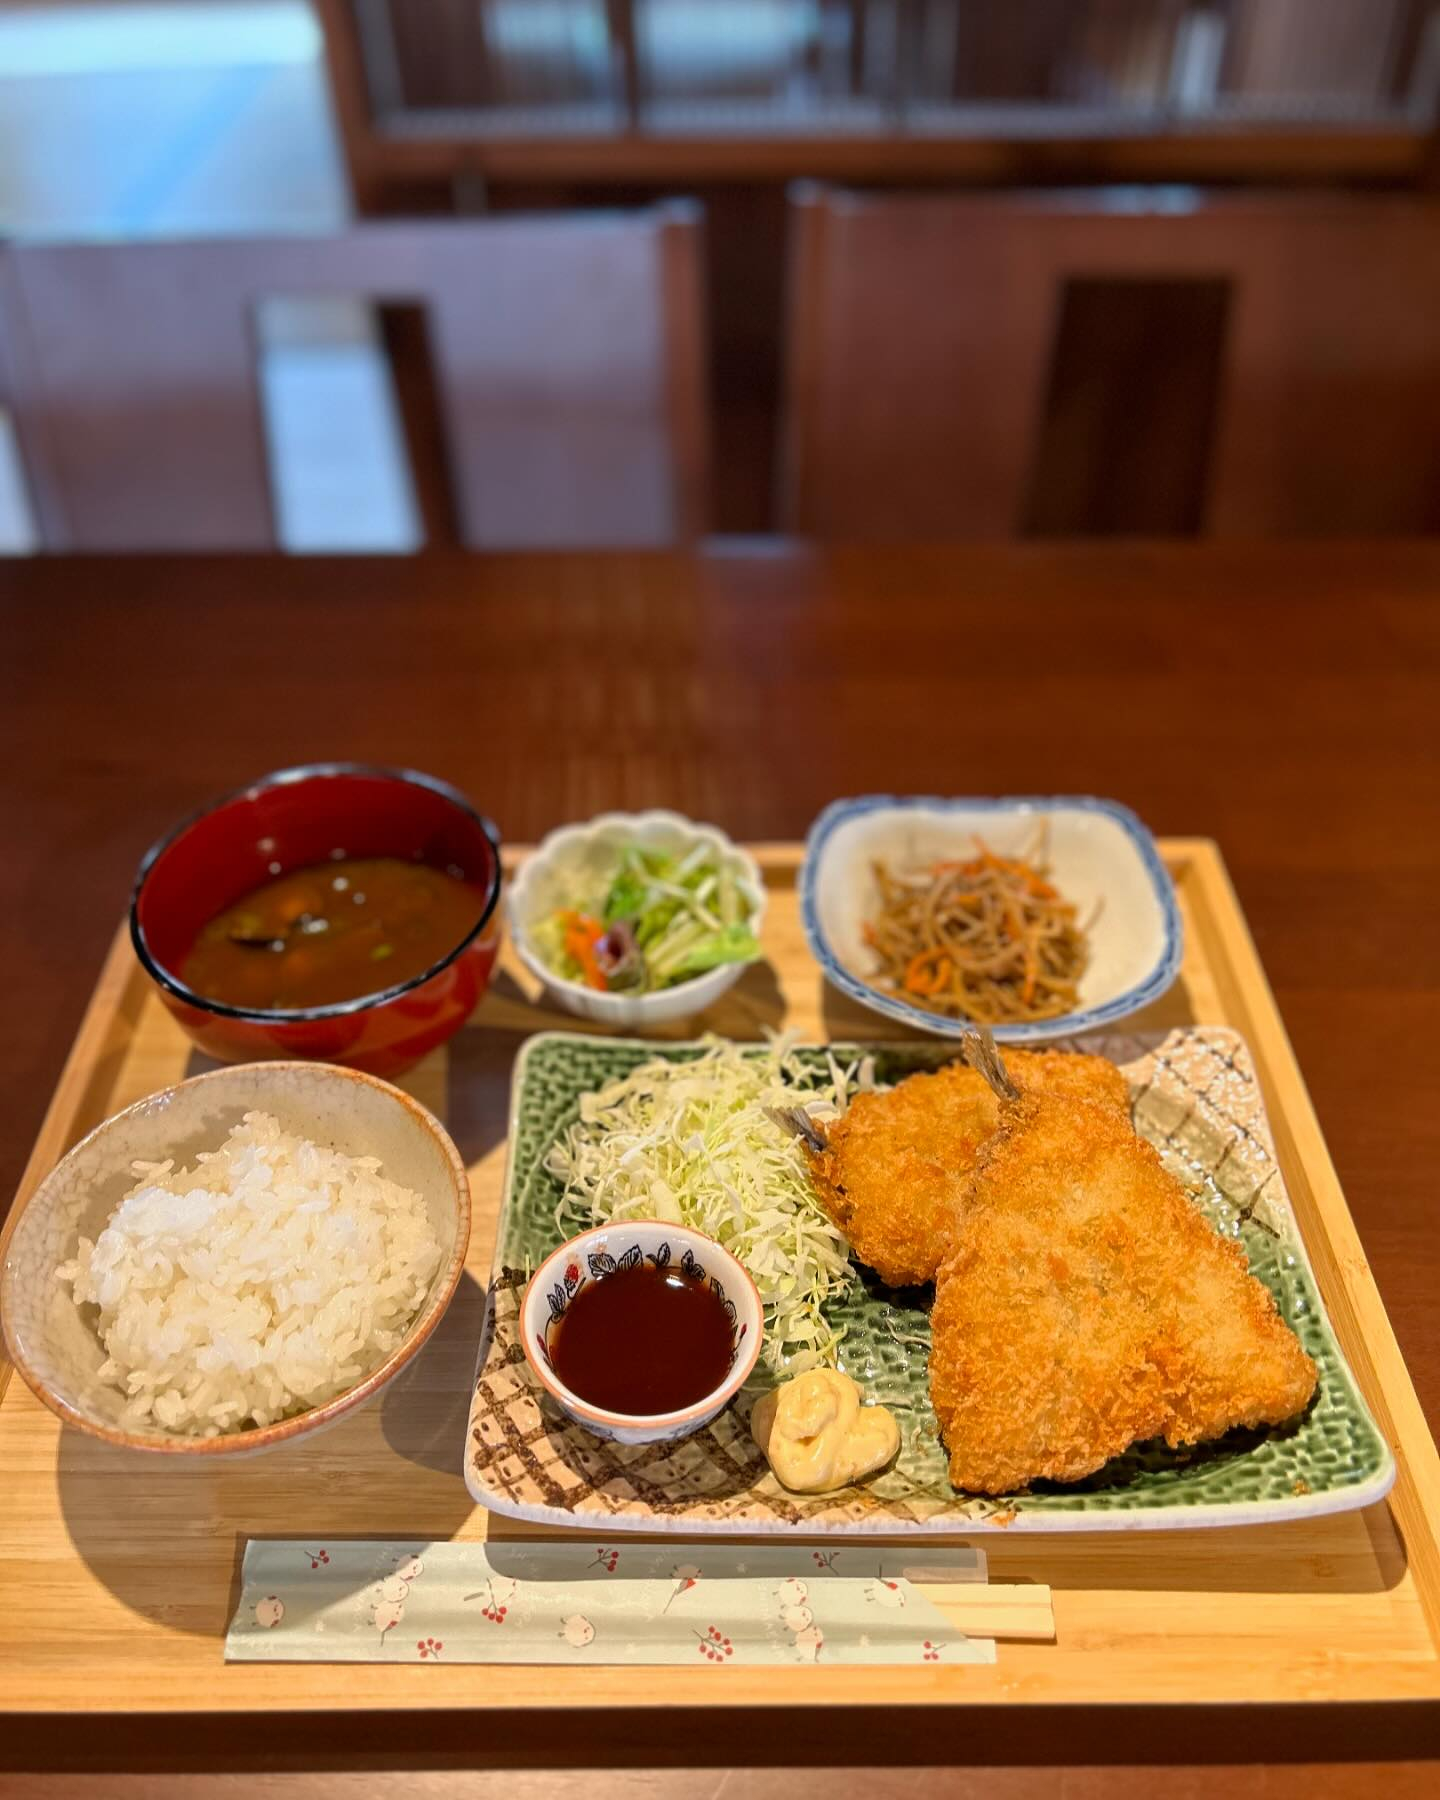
<point>690,1142</point>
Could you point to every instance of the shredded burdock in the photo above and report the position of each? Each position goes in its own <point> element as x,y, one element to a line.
<point>984,937</point>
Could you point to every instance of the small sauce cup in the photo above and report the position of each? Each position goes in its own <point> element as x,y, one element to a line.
<point>591,1257</point>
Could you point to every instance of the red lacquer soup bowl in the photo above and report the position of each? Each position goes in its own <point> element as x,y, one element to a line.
<point>294,819</point>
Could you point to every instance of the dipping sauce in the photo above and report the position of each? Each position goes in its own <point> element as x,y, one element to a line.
<point>334,931</point>
<point>643,1341</point>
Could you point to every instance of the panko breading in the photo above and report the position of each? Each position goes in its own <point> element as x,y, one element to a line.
<point>896,1169</point>
<point>1088,1304</point>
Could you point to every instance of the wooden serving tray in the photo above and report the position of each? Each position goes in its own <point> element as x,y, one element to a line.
<point>118,1572</point>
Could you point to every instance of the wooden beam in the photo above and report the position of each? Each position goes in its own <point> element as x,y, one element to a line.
<point>1396,155</point>
<point>620,23</point>
<point>366,153</point>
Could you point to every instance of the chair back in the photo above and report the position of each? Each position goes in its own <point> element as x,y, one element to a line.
<point>567,357</point>
<point>982,367</point>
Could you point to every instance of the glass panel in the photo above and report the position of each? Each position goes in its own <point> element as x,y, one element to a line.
<point>549,52</point>
<point>751,64</point>
<point>744,50</point>
<point>339,472</point>
<point>935,65</point>
<point>1313,57</point>
<point>501,55</point>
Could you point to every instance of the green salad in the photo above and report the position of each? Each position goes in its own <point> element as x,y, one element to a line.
<point>662,920</point>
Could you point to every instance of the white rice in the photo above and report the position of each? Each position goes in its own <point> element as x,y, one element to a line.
<point>269,1278</point>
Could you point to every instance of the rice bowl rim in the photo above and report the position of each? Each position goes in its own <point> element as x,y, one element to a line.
<point>263,1437</point>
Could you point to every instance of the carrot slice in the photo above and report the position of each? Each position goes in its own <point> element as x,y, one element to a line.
<point>927,971</point>
<point>582,934</point>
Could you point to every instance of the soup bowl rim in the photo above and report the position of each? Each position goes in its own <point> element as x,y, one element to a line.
<point>333,1009</point>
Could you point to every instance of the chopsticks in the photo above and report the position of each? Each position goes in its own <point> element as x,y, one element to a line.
<point>1011,1613</point>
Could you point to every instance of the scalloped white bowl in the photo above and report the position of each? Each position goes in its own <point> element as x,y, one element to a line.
<point>578,857</point>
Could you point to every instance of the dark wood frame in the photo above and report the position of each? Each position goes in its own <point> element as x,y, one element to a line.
<point>389,165</point>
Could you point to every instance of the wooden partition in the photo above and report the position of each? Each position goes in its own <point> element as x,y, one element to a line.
<point>932,387</point>
<point>567,352</point>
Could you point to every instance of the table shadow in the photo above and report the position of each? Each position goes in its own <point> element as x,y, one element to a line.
<point>755,1004</point>
<point>478,1068</point>
<point>146,1526</point>
<point>847,1021</point>
<point>423,1412</point>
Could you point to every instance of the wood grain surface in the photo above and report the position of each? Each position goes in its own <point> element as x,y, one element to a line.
<point>117,1576</point>
<point>1282,700</point>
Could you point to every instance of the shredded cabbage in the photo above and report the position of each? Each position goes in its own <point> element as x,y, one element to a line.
<point>690,1142</point>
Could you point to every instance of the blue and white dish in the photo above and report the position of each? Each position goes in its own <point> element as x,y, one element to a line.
<point>1099,853</point>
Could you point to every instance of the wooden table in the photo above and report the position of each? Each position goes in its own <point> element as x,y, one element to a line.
<point>1285,700</point>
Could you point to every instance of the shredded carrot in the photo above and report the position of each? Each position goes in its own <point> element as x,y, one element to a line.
<point>978,936</point>
<point>582,934</point>
<point>927,971</point>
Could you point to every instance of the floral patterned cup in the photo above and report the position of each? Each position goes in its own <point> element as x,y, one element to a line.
<point>599,1252</point>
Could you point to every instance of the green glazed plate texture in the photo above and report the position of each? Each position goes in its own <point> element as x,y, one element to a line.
<point>1194,1096</point>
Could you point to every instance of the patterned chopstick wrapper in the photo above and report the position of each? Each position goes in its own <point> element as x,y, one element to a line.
<point>351,1600</point>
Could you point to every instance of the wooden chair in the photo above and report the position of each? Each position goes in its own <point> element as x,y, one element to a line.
<point>568,359</point>
<point>971,367</point>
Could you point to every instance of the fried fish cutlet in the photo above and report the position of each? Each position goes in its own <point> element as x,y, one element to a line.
<point>896,1169</point>
<point>1087,1305</point>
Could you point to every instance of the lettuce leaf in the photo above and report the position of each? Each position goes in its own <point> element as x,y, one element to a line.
<point>736,943</point>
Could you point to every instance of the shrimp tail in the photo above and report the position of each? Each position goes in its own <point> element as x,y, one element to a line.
<point>798,1123</point>
<point>983,1055</point>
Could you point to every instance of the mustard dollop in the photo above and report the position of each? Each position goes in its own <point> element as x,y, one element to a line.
<point>816,1435</point>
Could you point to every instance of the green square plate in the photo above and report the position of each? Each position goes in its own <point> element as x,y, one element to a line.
<point>1194,1095</point>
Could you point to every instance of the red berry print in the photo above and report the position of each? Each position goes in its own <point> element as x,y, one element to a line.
<point>495,1610</point>
<point>572,1273</point>
<point>825,1560</point>
<point>931,1652</point>
<point>714,1646</point>
<point>316,1557</point>
<point>428,1647</point>
<point>605,1559</point>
